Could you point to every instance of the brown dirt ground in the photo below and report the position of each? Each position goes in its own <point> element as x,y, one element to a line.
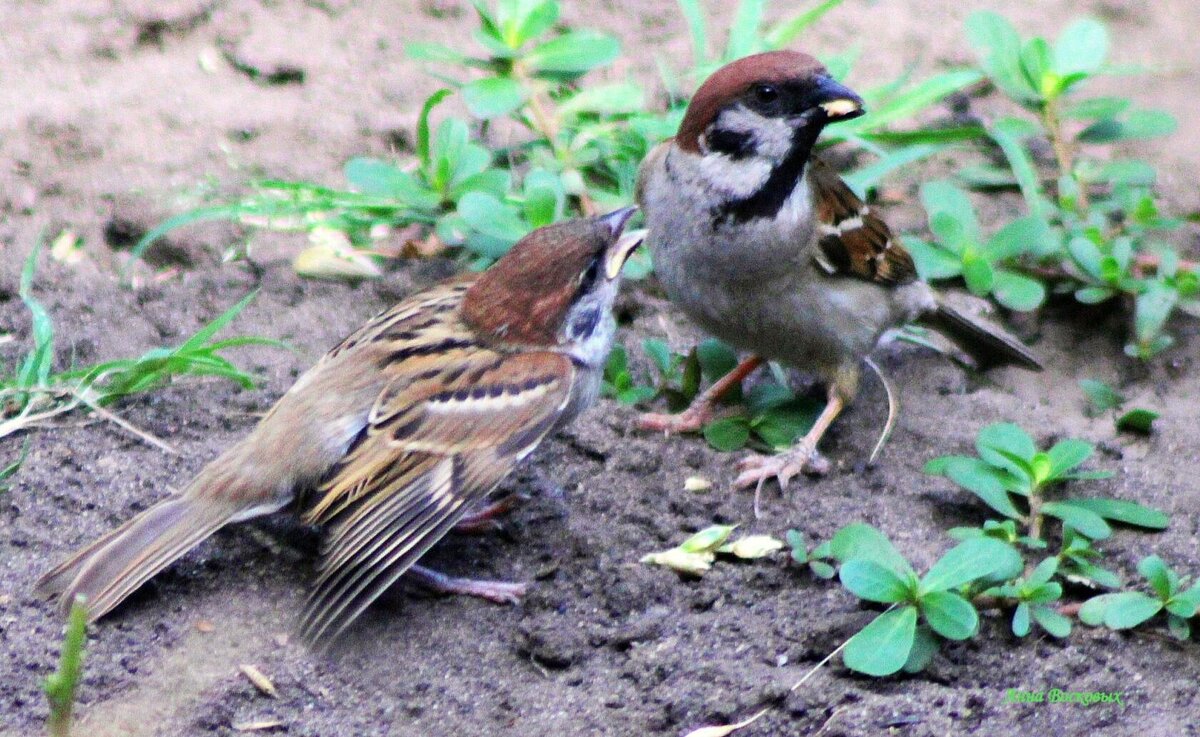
<point>109,122</point>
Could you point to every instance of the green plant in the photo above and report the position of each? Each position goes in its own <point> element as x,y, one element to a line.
<point>61,685</point>
<point>937,603</point>
<point>35,393</point>
<point>1010,469</point>
<point>1097,232</point>
<point>583,139</point>
<point>1036,596</point>
<point>816,559</point>
<point>1127,609</point>
<point>695,555</point>
<point>1103,398</point>
<point>11,469</point>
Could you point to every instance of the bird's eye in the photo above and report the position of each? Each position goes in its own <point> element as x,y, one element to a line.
<point>766,93</point>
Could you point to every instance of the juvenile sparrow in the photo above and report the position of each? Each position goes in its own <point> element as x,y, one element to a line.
<point>398,432</point>
<point>762,244</point>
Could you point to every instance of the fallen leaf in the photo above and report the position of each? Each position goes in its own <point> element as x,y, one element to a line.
<point>261,725</point>
<point>260,681</point>
<point>681,561</point>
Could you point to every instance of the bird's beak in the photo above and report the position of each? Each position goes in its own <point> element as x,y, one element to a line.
<point>838,101</point>
<point>625,244</point>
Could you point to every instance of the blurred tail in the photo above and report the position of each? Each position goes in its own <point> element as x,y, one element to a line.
<point>988,344</point>
<point>114,566</point>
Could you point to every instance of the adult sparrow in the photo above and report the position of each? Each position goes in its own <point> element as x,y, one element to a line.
<point>762,244</point>
<point>398,432</point>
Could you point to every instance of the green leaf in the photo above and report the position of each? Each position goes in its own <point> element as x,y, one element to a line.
<point>1008,134</point>
<point>1119,611</point>
<point>423,125</point>
<point>375,177</point>
<point>536,21</point>
<point>618,98</point>
<point>1067,454</point>
<point>786,31</point>
<point>1008,438</point>
<point>984,482</point>
<point>1018,238</point>
<point>944,197</point>
<point>1081,47</point>
<point>1085,521</point>
<point>925,646</point>
<point>933,262</point>
<point>573,53</point>
<point>1139,124</point>
<point>693,15</point>
<point>1151,310</point>
<point>1043,573</point>
<point>1020,620</point>
<point>1050,620</point>
<point>999,49</point>
<point>868,580</point>
<point>883,646</point>
<point>491,97</point>
<point>1160,577</point>
<point>1017,292</point>
<point>487,214</point>
<point>968,561</point>
<point>978,274</point>
<point>716,358</point>
<point>1098,107</point>
<point>708,539</point>
<point>1179,627</point>
<point>1102,396</point>
<point>743,32</point>
<point>659,354</point>
<point>727,434</point>
<point>1035,63</point>
<point>1137,420</point>
<point>860,541</point>
<point>780,427</point>
<point>950,615</point>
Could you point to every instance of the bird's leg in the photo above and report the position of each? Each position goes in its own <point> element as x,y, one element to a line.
<point>700,411</point>
<point>800,458</point>
<point>483,517</point>
<point>499,592</point>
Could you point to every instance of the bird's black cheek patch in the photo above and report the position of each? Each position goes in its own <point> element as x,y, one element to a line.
<point>583,323</point>
<point>734,144</point>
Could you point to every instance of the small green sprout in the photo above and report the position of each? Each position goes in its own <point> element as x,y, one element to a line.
<point>1103,398</point>
<point>61,685</point>
<point>695,555</point>
<point>1127,609</point>
<point>1036,595</point>
<point>816,559</point>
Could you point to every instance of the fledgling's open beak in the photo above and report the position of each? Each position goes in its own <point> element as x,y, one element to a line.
<point>838,101</point>
<point>626,243</point>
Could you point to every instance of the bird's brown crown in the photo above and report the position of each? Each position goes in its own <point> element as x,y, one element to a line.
<point>733,80</point>
<point>524,296</point>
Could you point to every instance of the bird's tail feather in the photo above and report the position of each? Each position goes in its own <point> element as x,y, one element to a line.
<point>114,566</point>
<point>988,344</point>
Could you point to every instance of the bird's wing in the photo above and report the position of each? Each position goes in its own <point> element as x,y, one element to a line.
<point>851,239</point>
<point>445,430</point>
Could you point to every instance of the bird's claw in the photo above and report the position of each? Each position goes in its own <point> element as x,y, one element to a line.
<point>784,467</point>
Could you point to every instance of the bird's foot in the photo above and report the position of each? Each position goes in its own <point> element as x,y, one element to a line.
<point>498,592</point>
<point>691,419</point>
<point>483,518</point>
<point>783,467</point>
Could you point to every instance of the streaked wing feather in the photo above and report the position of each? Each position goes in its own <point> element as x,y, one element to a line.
<point>436,443</point>
<point>852,240</point>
